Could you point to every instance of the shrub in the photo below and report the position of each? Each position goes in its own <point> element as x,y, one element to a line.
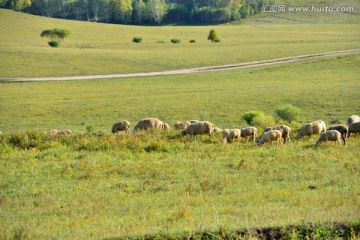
<point>192,41</point>
<point>263,121</point>
<point>54,43</point>
<point>137,39</point>
<point>212,36</point>
<point>257,118</point>
<point>175,40</point>
<point>287,112</point>
<point>249,116</point>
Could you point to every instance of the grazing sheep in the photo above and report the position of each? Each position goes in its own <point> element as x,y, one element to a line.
<point>342,129</point>
<point>331,135</point>
<point>166,127</point>
<point>354,128</point>
<point>284,129</point>
<point>249,131</point>
<point>194,121</point>
<point>65,132</point>
<point>272,135</point>
<point>231,134</point>
<point>218,130</point>
<point>199,128</point>
<point>121,126</point>
<point>309,129</point>
<point>151,123</point>
<point>52,131</point>
<point>181,125</point>
<point>353,119</point>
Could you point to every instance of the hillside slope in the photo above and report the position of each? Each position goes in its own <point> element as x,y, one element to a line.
<point>95,48</point>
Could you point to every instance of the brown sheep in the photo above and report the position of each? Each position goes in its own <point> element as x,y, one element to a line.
<point>331,135</point>
<point>353,119</point>
<point>181,125</point>
<point>199,128</point>
<point>354,128</point>
<point>272,135</point>
<point>342,129</point>
<point>121,126</point>
<point>151,124</point>
<point>231,134</point>
<point>284,129</point>
<point>309,129</point>
<point>249,131</point>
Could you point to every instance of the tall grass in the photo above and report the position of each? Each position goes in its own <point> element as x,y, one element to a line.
<point>89,186</point>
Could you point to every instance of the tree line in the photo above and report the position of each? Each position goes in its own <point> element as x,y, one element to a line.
<point>141,12</point>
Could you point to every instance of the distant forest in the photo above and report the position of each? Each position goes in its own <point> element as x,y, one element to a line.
<point>141,12</point>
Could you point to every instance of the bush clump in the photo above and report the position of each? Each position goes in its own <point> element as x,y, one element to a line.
<point>257,118</point>
<point>287,112</point>
<point>54,43</point>
<point>192,41</point>
<point>175,40</point>
<point>137,39</point>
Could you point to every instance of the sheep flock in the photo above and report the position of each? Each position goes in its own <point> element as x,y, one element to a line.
<point>273,133</point>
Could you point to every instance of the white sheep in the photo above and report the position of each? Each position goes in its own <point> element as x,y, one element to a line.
<point>52,131</point>
<point>151,124</point>
<point>182,125</point>
<point>249,132</point>
<point>199,128</point>
<point>121,126</point>
<point>218,130</point>
<point>309,129</point>
<point>65,132</point>
<point>331,135</point>
<point>284,129</point>
<point>231,134</point>
<point>272,135</point>
<point>353,119</point>
<point>354,128</point>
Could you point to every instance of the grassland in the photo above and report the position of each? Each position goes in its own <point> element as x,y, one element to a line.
<point>108,49</point>
<point>90,186</point>
<point>326,89</point>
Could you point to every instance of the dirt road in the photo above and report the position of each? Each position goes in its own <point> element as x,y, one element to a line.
<point>284,60</point>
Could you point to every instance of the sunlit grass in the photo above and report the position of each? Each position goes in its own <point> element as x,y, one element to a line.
<point>324,89</point>
<point>108,49</point>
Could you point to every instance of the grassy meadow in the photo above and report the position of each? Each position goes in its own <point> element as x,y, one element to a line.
<point>164,185</point>
<point>95,48</point>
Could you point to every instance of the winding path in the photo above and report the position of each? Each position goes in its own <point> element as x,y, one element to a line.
<point>284,60</point>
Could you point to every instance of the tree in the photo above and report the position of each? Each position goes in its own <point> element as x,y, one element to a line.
<point>212,36</point>
<point>157,10</point>
<point>139,11</point>
<point>55,35</point>
<point>18,5</point>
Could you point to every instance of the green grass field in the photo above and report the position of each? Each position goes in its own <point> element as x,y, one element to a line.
<point>88,186</point>
<point>105,49</point>
<point>161,185</point>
